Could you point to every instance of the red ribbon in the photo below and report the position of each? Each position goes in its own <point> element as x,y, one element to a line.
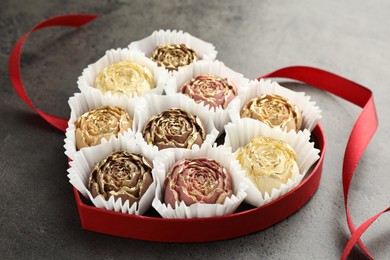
<point>361,134</point>
<point>73,20</point>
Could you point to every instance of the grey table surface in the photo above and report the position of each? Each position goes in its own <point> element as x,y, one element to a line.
<point>38,215</point>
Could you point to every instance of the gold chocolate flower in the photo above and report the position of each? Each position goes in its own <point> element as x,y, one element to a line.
<point>273,110</point>
<point>99,123</point>
<point>125,77</point>
<point>122,175</point>
<point>174,128</point>
<point>211,90</point>
<point>198,180</point>
<point>173,56</point>
<point>268,162</point>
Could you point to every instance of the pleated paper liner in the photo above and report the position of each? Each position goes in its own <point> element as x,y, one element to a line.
<point>83,102</point>
<point>152,105</point>
<point>225,158</point>
<point>85,161</point>
<point>204,50</point>
<point>87,79</point>
<point>241,132</point>
<point>217,68</point>
<point>311,114</point>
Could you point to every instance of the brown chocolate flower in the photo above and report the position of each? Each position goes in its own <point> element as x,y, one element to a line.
<point>173,56</point>
<point>211,90</point>
<point>99,123</point>
<point>174,128</point>
<point>268,162</point>
<point>122,175</point>
<point>198,180</point>
<point>273,110</point>
<point>125,77</point>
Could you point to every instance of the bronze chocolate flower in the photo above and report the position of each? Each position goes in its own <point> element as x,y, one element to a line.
<point>174,128</point>
<point>99,123</point>
<point>173,56</point>
<point>125,77</point>
<point>210,89</point>
<point>268,162</point>
<point>122,175</point>
<point>273,110</point>
<point>198,180</point>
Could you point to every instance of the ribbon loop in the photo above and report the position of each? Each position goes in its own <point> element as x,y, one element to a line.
<point>75,20</point>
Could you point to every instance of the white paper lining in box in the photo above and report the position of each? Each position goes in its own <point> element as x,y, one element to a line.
<point>241,132</point>
<point>87,79</point>
<point>217,68</point>
<point>311,113</point>
<point>83,102</point>
<point>152,105</point>
<point>220,154</point>
<point>86,159</point>
<point>204,50</point>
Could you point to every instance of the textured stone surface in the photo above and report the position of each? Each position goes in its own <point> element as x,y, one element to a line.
<point>38,216</point>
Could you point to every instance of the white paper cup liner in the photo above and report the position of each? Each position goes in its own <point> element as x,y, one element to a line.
<point>85,161</point>
<point>83,102</point>
<point>217,68</point>
<point>160,75</point>
<point>204,50</point>
<point>311,113</point>
<point>241,132</point>
<point>220,154</point>
<point>152,105</point>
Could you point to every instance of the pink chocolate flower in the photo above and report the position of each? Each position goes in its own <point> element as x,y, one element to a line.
<point>198,180</point>
<point>210,89</point>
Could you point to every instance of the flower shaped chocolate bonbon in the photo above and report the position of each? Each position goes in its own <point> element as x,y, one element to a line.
<point>268,162</point>
<point>100,123</point>
<point>210,89</point>
<point>122,175</point>
<point>197,180</point>
<point>273,110</point>
<point>125,77</point>
<point>174,128</point>
<point>173,56</point>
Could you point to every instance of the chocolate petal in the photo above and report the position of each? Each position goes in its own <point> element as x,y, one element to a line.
<point>100,123</point>
<point>273,110</point>
<point>198,180</point>
<point>122,175</point>
<point>125,77</point>
<point>173,56</point>
<point>268,162</point>
<point>210,89</point>
<point>174,128</point>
